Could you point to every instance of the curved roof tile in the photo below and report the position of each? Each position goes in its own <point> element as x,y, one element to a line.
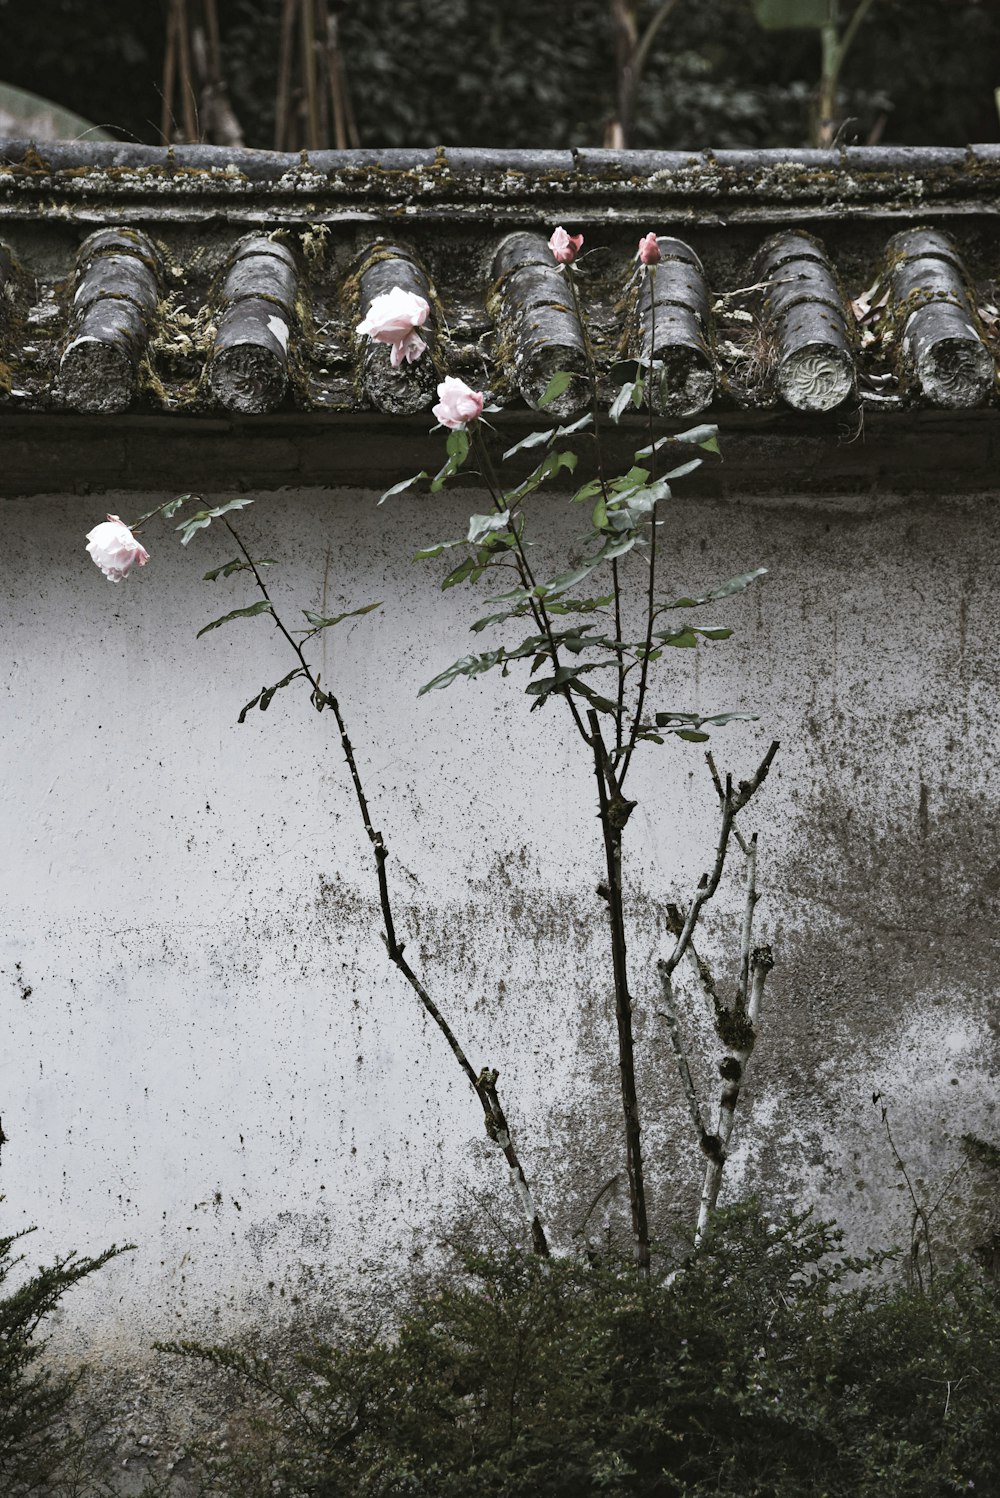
<point>206,280</point>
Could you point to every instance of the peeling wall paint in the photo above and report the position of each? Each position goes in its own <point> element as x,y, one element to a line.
<point>206,1052</point>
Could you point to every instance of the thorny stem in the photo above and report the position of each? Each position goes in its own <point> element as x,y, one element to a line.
<point>539,612</point>
<point>651,589</point>
<point>614,812</point>
<point>483,1083</point>
<point>588,352</point>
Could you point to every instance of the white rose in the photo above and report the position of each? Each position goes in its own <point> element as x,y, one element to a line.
<point>114,549</point>
<point>393,318</point>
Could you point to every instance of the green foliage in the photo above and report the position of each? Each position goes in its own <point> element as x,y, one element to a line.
<point>202,519</point>
<point>38,1448</point>
<point>319,622</point>
<point>768,1365</point>
<point>524,75</point>
<point>792,15</point>
<point>262,606</point>
<point>622,516</point>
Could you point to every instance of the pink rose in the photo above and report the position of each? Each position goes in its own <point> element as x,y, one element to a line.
<point>565,247</point>
<point>649,250</point>
<point>457,404</point>
<point>393,318</point>
<point>114,549</point>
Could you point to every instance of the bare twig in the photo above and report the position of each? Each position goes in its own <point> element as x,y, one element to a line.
<point>680,1054</point>
<point>708,884</point>
<point>484,1082</point>
<point>747,933</point>
<point>920,1224</point>
<point>595,1202</point>
<point>675,924</point>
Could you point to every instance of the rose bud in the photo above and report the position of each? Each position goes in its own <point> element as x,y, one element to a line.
<point>649,250</point>
<point>565,247</point>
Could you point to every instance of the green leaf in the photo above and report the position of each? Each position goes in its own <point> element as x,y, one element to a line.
<point>551,434</point>
<point>406,483</point>
<point>321,621</point>
<point>426,552</point>
<point>499,618</point>
<point>238,565</point>
<point>481,526</point>
<point>204,518</point>
<point>684,469</point>
<point>618,548</point>
<point>469,665</point>
<point>674,721</point>
<point>458,575</point>
<point>725,590</point>
<point>457,448</point>
<point>550,465</point>
<point>457,445</point>
<point>625,397</point>
<point>559,382</point>
<point>570,579</point>
<point>692,735</point>
<point>533,439</point>
<point>654,447</point>
<point>262,606</point>
<point>173,505</point>
<point>579,605</point>
<point>542,686</point>
<point>703,436</point>
<point>265,694</point>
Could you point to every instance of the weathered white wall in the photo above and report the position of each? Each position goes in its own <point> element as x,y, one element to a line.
<point>205,1051</point>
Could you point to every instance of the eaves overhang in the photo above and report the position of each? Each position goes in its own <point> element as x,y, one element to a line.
<point>204,296</point>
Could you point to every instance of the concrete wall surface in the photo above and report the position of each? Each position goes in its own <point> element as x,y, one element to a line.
<point>205,1050</point>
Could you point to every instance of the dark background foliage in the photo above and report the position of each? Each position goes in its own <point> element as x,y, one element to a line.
<point>530,74</point>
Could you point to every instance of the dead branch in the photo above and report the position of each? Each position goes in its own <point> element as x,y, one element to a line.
<point>708,883</point>
<point>680,1054</point>
<point>675,925</point>
<point>732,1069</point>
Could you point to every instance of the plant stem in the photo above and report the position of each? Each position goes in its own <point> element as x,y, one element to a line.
<point>483,1083</point>
<point>651,589</point>
<point>595,415</point>
<point>539,612</point>
<point>611,826</point>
